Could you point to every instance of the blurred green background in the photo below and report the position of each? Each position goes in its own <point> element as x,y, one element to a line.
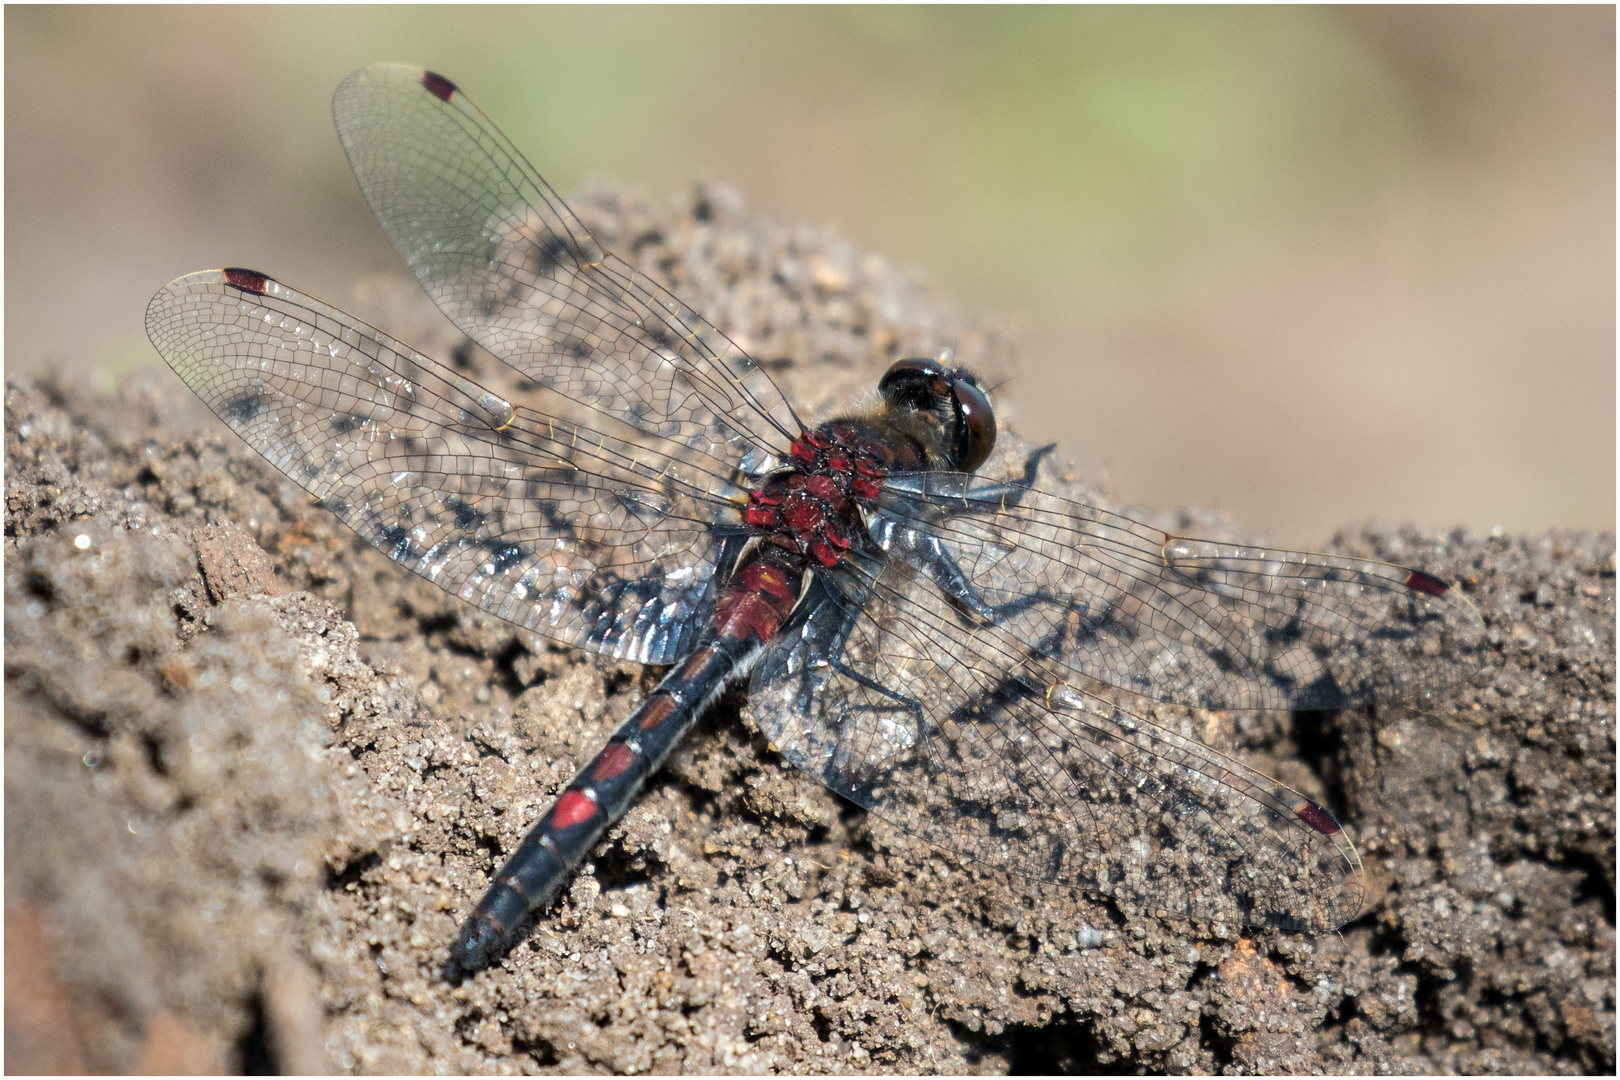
<point>1307,265</point>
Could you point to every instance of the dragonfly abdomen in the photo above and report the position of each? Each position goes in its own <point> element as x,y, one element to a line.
<point>748,613</point>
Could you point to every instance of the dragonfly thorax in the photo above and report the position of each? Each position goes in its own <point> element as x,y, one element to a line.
<point>932,417</point>
<point>813,506</point>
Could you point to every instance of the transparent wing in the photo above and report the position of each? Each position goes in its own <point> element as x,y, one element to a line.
<point>1175,619</point>
<point>971,741</point>
<point>1010,678</point>
<point>509,263</point>
<point>601,536</point>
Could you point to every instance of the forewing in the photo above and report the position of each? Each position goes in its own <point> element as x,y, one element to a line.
<point>509,263</point>
<point>1175,619</point>
<point>966,739</point>
<point>590,535</point>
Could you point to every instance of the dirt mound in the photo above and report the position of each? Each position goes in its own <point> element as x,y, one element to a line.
<point>256,774</point>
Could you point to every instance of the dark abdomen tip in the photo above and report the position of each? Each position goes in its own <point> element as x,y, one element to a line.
<point>441,87</point>
<point>476,945</point>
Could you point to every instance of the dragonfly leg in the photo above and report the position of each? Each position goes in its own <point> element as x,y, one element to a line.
<point>837,777</point>
<point>909,704</point>
<point>1012,492</point>
<point>943,568</point>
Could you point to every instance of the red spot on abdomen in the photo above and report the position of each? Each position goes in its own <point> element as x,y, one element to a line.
<point>756,602</point>
<point>697,663</point>
<point>746,616</point>
<point>1317,818</point>
<point>769,579</point>
<point>1426,583</point>
<point>656,711</point>
<point>440,86</point>
<point>572,809</point>
<point>247,280</point>
<point>613,761</point>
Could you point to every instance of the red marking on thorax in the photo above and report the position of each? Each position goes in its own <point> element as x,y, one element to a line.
<point>824,488</point>
<point>815,507</point>
<point>761,513</point>
<point>1317,818</point>
<point>802,515</point>
<point>1426,583</point>
<point>572,809</point>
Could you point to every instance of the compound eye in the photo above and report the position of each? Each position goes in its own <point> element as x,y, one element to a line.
<point>907,381</point>
<point>977,436</point>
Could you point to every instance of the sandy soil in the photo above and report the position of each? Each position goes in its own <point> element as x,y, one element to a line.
<point>255,776</point>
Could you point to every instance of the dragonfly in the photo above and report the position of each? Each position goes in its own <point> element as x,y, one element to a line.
<point>1004,673</point>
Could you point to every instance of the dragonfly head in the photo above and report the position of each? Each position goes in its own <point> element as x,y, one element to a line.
<point>949,402</point>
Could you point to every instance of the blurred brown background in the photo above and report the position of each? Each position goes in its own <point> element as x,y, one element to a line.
<point>1307,265</point>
